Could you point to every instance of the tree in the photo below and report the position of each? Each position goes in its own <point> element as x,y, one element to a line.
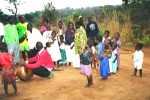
<point>14,8</point>
<point>50,13</point>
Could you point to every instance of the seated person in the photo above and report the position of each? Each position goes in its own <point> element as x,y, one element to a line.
<point>41,64</point>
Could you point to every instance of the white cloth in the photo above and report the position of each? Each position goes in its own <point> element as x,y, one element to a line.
<point>138,57</point>
<point>93,50</point>
<point>54,51</point>
<point>108,38</point>
<point>34,37</point>
<point>46,36</point>
<point>1,29</point>
<point>75,59</point>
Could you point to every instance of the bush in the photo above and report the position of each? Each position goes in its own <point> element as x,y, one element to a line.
<point>145,40</point>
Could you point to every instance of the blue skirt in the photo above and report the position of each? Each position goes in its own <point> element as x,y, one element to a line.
<point>104,67</point>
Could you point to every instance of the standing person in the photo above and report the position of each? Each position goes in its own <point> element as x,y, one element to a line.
<point>117,41</point>
<point>47,35</point>
<point>54,50</point>
<point>22,33</point>
<point>80,41</point>
<point>1,32</point>
<point>85,59</point>
<point>92,30</point>
<point>39,65</point>
<point>103,57</point>
<point>62,46</point>
<point>138,57</point>
<point>106,36</point>
<point>113,62</point>
<point>61,28</point>
<point>8,74</point>
<point>12,40</point>
<point>33,36</point>
<point>69,39</point>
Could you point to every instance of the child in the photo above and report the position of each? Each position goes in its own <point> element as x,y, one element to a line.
<point>117,42</point>
<point>63,60</point>
<point>106,36</point>
<point>41,64</point>
<point>103,52</point>
<point>85,60</point>
<point>113,59</point>
<point>69,39</point>
<point>54,50</point>
<point>138,57</point>
<point>8,74</point>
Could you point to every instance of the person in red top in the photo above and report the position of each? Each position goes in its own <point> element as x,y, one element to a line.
<point>41,64</point>
<point>8,74</point>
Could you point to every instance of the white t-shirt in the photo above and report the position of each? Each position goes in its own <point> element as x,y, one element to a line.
<point>1,29</point>
<point>138,57</point>
<point>34,37</point>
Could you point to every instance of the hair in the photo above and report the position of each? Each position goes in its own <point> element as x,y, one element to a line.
<point>48,44</point>
<point>3,47</point>
<point>29,27</point>
<point>138,46</point>
<point>11,19</point>
<point>107,31</point>
<point>39,46</point>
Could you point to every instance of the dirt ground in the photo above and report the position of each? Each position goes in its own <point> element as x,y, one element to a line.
<point>69,84</point>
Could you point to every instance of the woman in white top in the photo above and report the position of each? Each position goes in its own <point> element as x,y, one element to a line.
<point>33,36</point>
<point>1,31</point>
<point>53,49</point>
<point>138,57</point>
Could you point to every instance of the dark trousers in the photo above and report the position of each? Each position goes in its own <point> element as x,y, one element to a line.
<point>41,71</point>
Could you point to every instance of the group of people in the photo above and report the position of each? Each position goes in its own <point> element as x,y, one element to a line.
<point>48,47</point>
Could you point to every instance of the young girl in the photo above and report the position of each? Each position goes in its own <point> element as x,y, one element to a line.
<point>69,39</point>
<point>106,36</point>
<point>117,42</point>
<point>103,53</point>
<point>63,60</point>
<point>8,74</point>
<point>54,50</point>
<point>113,59</point>
<point>85,60</point>
<point>138,57</point>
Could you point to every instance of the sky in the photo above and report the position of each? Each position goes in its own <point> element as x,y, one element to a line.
<point>37,5</point>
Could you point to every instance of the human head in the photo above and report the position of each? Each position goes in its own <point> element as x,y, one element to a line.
<point>106,33</point>
<point>117,35</point>
<point>39,46</point>
<point>60,24</point>
<point>21,19</point>
<point>138,46</point>
<point>11,19</point>
<point>70,25</point>
<point>61,38</point>
<point>48,44</point>
<point>78,24</point>
<point>29,27</point>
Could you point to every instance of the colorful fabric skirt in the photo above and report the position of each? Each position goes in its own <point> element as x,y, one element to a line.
<point>86,69</point>
<point>104,67</point>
